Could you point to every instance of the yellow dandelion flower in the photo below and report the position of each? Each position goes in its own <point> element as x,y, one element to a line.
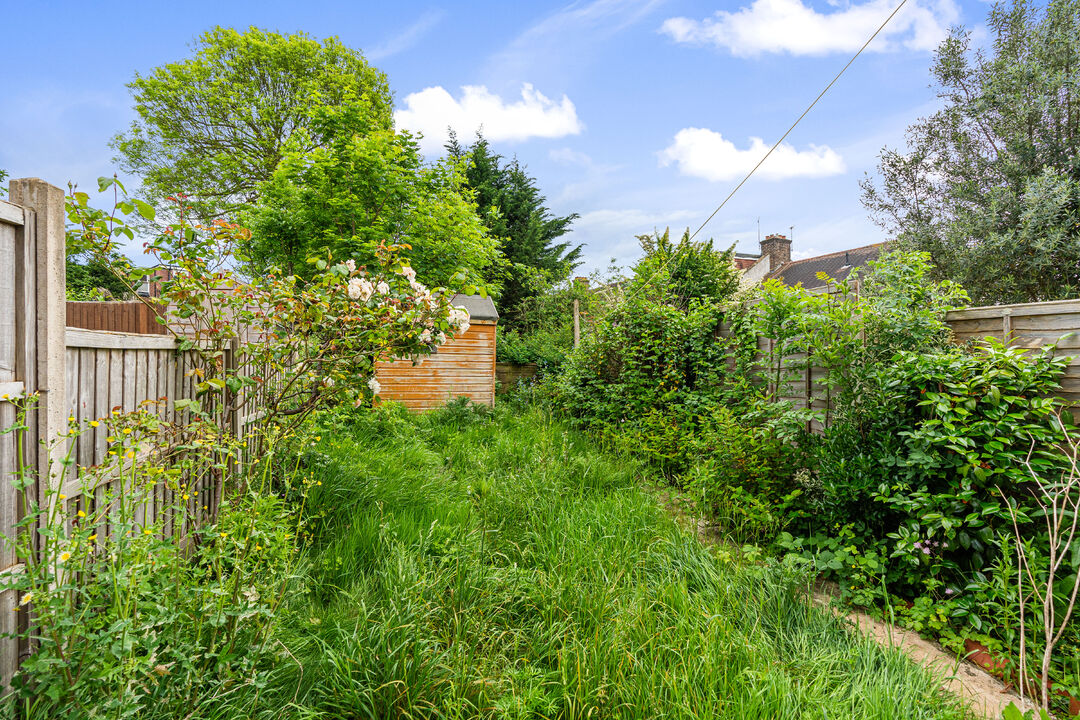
<point>65,556</point>
<point>63,496</point>
<point>130,454</point>
<point>127,431</point>
<point>81,513</point>
<point>94,423</point>
<point>186,496</point>
<point>224,534</point>
<point>147,531</point>
<point>93,537</point>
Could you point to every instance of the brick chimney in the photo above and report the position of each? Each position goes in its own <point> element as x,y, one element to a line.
<point>778,248</point>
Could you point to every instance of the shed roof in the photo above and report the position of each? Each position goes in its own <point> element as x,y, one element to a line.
<point>480,308</point>
<point>837,265</point>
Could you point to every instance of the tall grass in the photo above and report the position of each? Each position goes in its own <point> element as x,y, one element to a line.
<point>464,564</point>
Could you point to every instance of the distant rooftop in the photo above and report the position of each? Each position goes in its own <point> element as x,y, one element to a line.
<point>837,265</point>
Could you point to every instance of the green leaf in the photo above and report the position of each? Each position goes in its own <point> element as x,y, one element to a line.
<point>146,210</point>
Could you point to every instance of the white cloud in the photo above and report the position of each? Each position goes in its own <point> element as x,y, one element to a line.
<point>407,38</point>
<point>791,26</point>
<point>706,154</point>
<point>433,110</point>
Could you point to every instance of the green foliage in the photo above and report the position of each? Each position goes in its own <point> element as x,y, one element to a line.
<point>361,186</point>
<point>95,280</point>
<point>684,271</point>
<point>646,355</point>
<point>547,348</point>
<point>215,126</point>
<point>513,210</point>
<point>905,497</point>
<point>990,184</point>
<point>95,268</point>
<point>544,331</point>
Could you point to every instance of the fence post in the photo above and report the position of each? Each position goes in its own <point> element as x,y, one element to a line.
<point>577,323</point>
<point>50,324</point>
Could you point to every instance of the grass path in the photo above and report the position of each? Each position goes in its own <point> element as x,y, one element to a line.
<point>472,566</point>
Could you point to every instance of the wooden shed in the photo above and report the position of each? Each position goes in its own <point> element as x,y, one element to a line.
<point>462,367</point>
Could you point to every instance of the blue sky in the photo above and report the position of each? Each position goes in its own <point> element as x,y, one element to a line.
<point>636,114</point>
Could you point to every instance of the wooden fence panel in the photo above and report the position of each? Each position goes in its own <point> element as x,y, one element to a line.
<point>1027,325</point>
<point>115,316</point>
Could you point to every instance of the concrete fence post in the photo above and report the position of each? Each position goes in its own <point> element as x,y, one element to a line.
<point>47,201</point>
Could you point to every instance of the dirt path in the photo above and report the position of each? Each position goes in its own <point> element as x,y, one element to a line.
<point>984,693</point>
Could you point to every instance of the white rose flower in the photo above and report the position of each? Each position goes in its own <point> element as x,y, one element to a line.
<point>359,289</point>
<point>408,272</point>
<point>351,264</point>
<point>425,337</point>
<point>417,288</point>
<point>459,318</point>
<point>374,385</point>
<point>382,288</point>
<point>440,337</point>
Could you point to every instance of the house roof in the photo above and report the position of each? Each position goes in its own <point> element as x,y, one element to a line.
<point>744,260</point>
<point>837,265</point>
<point>480,308</point>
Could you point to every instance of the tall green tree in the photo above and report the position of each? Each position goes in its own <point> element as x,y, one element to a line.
<point>363,185</point>
<point>989,184</point>
<point>215,126</point>
<point>514,210</point>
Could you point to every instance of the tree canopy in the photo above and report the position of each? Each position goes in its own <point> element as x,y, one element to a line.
<point>215,125</point>
<point>514,211</point>
<point>366,184</point>
<point>989,184</point>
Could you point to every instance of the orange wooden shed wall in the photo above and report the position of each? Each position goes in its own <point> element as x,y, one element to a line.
<point>463,367</point>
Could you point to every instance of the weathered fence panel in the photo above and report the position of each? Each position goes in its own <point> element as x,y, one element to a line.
<point>126,316</point>
<point>508,375</point>
<point>1028,325</point>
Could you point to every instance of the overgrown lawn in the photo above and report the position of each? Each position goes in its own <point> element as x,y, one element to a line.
<point>464,564</point>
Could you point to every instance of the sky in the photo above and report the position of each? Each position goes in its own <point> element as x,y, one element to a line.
<point>635,114</point>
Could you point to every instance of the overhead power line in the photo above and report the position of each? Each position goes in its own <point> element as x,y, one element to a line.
<point>799,119</point>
